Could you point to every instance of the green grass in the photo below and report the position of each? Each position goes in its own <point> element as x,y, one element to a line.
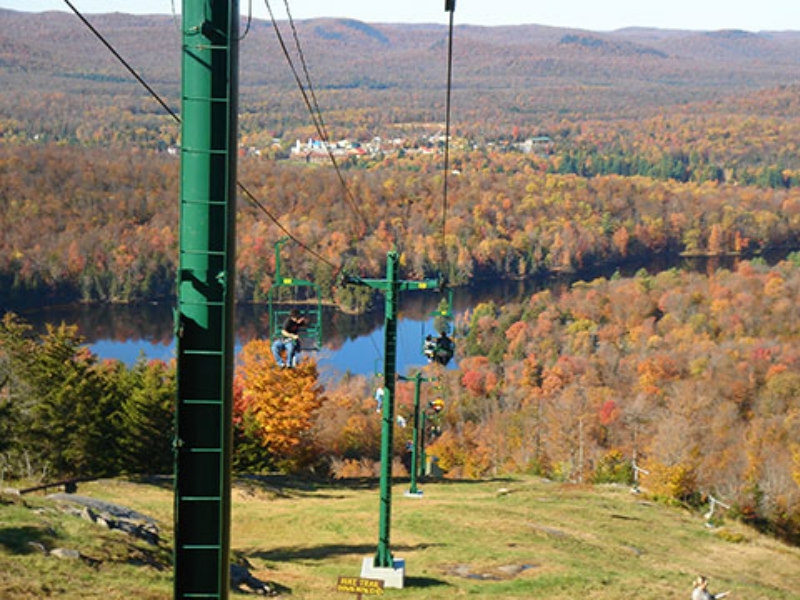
<point>460,540</point>
<point>111,564</point>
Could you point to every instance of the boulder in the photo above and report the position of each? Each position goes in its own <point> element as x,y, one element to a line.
<point>65,553</point>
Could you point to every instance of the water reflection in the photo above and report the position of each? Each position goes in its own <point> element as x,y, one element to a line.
<point>351,342</point>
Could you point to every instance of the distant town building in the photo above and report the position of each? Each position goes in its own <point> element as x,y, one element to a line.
<point>539,145</point>
<point>318,151</point>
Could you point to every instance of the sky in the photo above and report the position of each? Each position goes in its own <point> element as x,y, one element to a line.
<point>596,15</point>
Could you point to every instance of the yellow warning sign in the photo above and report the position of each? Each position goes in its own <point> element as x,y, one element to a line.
<point>359,585</point>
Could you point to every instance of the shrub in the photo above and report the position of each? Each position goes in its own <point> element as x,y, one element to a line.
<point>670,482</point>
<point>613,468</point>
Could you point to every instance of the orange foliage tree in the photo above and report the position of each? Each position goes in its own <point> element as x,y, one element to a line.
<point>279,404</point>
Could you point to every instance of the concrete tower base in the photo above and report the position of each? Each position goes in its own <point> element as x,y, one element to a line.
<point>392,577</point>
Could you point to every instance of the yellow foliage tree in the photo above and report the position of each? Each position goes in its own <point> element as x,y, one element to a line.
<point>796,463</point>
<point>282,402</point>
<point>675,482</point>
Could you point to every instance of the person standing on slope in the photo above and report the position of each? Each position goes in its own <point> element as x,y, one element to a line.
<point>701,592</point>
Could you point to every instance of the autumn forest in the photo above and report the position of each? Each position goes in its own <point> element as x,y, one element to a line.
<point>571,151</point>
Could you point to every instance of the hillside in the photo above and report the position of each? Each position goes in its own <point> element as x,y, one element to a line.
<point>521,538</point>
<point>390,73</point>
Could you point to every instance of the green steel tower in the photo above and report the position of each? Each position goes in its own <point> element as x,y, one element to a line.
<point>423,417</point>
<point>419,426</point>
<point>391,286</point>
<point>204,319</point>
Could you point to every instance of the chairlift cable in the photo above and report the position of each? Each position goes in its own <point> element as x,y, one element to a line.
<point>130,69</point>
<point>248,194</point>
<point>255,202</point>
<point>324,130</point>
<point>441,350</point>
<point>450,7</point>
<point>249,20</point>
<point>303,63</point>
<point>375,345</point>
<point>316,119</point>
<point>175,18</point>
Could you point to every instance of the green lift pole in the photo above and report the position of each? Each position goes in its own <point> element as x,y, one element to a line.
<point>422,458</point>
<point>278,245</point>
<point>391,286</point>
<point>418,379</point>
<point>204,317</point>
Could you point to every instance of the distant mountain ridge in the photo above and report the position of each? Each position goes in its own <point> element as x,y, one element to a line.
<point>341,30</point>
<point>506,70</point>
<point>596,43</point>
<point>56,30</point>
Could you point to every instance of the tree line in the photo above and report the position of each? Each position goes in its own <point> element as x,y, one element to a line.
<point>92,225</point>
<point>693,376</point>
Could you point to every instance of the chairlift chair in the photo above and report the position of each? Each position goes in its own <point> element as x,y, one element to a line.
<point>288,294</point>
<point>440,349</point>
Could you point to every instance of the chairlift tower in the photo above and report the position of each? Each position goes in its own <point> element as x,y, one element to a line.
<point>419,432</point>
<point>383,565</point>
<point>204,316</point>
<point>423,461</point>
<point>636,470</point>
<point>712,505</point>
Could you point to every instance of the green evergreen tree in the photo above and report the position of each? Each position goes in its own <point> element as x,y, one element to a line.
<point>443,320</point>
<point>146,418</point>
<point>6,412</point>
<point>67,403</point>
<point>249,453</point>
<point>476,342</point>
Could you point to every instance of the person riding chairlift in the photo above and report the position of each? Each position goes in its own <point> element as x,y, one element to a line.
<point>429,347</point>
<point>290,342</point>
<point>444,349</point>
<point>438,349</point>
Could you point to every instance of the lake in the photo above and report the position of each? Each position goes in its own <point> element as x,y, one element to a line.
<point>351,343</point>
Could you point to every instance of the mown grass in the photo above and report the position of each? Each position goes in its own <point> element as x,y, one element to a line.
<point>112,564</point>
<point>520,538</point>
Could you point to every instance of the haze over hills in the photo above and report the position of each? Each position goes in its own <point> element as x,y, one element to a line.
<point>397,71</point>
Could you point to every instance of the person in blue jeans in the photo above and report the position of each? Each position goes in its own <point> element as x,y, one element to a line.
<point>290,340</point>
